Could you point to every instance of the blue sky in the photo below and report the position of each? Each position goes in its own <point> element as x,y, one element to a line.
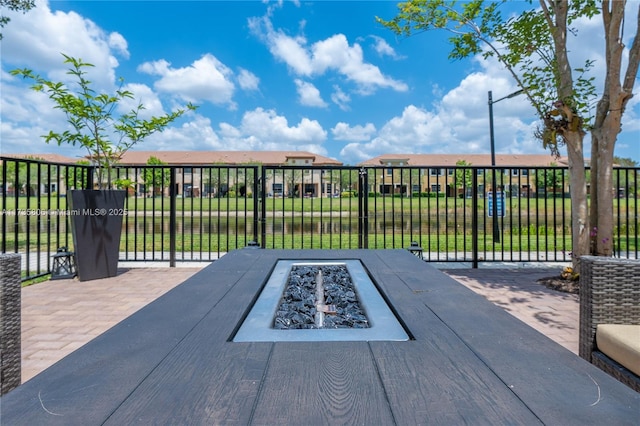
<point>319,76</point>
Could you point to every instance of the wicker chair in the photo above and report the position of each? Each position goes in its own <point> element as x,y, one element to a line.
<point>609,294</point>
<point>10,326</point>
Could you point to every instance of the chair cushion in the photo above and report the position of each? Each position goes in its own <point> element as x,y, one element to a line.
<point>620,342</point>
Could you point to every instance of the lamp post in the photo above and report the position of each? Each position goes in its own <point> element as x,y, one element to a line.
<point>496,229</point>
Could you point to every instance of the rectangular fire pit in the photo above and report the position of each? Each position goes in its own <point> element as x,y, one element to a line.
<point>259,324</point>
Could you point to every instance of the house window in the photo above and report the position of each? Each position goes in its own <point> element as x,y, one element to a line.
<point>436,172</point>
<point>450,172</point>
<point>514,172</point>
<point>524,172</point>
<point>389,171</point>
<point>277,189</point>
<point>187,170</point>
<point>435,188</point>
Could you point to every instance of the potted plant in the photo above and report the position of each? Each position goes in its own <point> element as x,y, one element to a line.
<point>97,212</point>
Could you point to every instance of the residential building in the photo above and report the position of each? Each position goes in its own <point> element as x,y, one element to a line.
<point>436,173</point>
<point>193,180</point>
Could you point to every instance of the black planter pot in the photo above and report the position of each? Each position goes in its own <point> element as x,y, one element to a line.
<point>96,226</point>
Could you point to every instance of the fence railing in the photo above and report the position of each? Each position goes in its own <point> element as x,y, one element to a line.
<point>198,213</point>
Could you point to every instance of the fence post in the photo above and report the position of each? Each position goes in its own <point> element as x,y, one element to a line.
<point>172,217</point>
<point>474,219</point>
<point>263,207</point>
<point>5,185</point>
<point>90,172</point>
<point>363,209</point>
<point>10,329</point>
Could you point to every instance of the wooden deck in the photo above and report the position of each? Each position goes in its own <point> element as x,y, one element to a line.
<point>173,362</point>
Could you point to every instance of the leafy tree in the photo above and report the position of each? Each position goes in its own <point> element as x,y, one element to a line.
<point>25,181</point>
<point>90,114</point>
<point>76,177</point>
<point>464,176</point>
<point>625,162</point>
<point>549,179</point>
<point>16,6</point>
<point>154,177</point>
<point>533,47</point>
<point>348,179</point>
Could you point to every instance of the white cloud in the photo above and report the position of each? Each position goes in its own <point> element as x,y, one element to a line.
<point>383,48</point>
<point>206,79</point>
<point>458,124</point>
<point>118,43</point>
<point>331,54</point>
<point>266,130</point>
<point>288,49</point>
<point>142,95</point>
<point>309,94</point>
<point>36,40</point>
<point>195,134</point>
<point>340,98</point>
<point>345,132</point>
<point>247,80</point>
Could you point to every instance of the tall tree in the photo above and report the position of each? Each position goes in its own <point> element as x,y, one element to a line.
<point>533,47</point>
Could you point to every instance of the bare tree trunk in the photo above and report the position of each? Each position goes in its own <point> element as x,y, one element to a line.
<point>593,192</point>
<point>578,192</point>
<point>572,133</point>
<point>608,122</point>
<point>604,229</point>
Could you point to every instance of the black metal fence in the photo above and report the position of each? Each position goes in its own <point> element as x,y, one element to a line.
<point>198,213</point>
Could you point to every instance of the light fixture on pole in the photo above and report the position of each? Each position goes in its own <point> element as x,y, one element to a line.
<point>494,207</point>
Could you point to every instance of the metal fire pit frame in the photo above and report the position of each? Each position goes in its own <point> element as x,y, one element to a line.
<point>258,325</point>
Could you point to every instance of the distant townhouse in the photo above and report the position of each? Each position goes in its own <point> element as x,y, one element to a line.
<point>436,173</point>
<point>393,173</point>
<point>193,180</point>
<point>34,178</point>
<point>195,176</point>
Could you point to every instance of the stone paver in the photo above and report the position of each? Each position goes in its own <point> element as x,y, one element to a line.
<point>553,313</point>
<point>60,316</point>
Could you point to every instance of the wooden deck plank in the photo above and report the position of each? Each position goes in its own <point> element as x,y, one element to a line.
<point>208,384</point>
<point>332,383</point>
<point>442,385</point>
<point>93,381</point>
<point>527,361</point>
<point>219,378</point>
<point>448,383</point>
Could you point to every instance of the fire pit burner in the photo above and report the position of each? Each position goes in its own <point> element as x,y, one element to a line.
<point>320,301</point>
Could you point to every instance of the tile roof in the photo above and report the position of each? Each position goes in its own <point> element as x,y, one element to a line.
<point>449,160</point>
<point>53,158</point>
<point>223,157</point>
